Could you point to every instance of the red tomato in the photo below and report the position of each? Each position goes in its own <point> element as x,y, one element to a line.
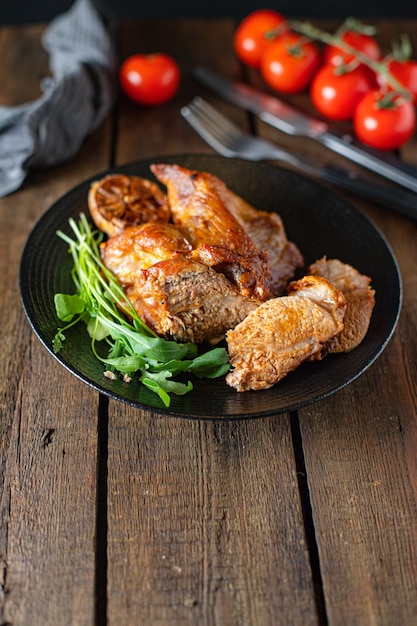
<point>406,74</point>
<point>360,41</point>
<point>335,93</point>
<point>384,121</point>
<point>150,79</point>
<point>255,33</point>
<point>289,64</point>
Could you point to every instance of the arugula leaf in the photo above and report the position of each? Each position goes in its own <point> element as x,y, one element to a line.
<point>211,364</point>
<point>67,306</point>
<point>133,348</point>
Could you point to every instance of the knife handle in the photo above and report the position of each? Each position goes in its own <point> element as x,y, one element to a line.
<point>392,197</point>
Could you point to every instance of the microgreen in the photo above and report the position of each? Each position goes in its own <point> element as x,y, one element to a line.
<point>133,348</point>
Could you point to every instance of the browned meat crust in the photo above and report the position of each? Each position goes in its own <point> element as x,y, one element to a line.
<point>210,272</point>
<point>284,332</point>
<point>218,239</point>
<point>139,247</point>
<point>268,233</point>
<point>360,301</point>
<point>184,300</point>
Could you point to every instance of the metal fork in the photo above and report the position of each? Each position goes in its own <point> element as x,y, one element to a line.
<point>230,141</point>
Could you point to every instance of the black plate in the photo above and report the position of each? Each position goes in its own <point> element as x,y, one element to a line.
<point>319,221</point>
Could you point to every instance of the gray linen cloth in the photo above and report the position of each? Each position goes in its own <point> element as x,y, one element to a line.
<point>75,100</point>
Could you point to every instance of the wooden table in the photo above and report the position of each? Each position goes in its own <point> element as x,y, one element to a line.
<point>110,514</point>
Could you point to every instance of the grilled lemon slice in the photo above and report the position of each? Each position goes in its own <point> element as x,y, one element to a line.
<point>118,201</point>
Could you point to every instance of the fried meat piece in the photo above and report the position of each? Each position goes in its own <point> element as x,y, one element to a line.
<point>184,300</point>
<point>218,239</point>
<point>360,301</point>
<point>268,233</point>
<point>173,294</point>
<point>284,332</point>
<point>139,247</point>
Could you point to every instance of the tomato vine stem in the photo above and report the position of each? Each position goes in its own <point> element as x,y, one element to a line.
<point>379,67</point>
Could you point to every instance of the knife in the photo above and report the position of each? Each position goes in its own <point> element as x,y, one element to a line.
<point>291,121</point>
<point>227,138</point>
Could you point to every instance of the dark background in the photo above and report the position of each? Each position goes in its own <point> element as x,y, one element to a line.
<point>30,11</point>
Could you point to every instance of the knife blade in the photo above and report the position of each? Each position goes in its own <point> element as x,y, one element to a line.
<point>291,121</point>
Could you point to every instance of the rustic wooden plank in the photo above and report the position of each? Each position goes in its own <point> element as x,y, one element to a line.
<point>361,464</point>
<point>360,451</point>
<point>362,474</point>
<point>23,82</point>
<point>48,444</point>
<point>48,500</point>
<point>205,522</point>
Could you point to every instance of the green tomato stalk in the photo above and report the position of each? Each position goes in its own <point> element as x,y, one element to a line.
<point>379,67</point>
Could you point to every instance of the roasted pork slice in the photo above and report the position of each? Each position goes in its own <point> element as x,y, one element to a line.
<point>268,233</point>
<point>218,239</point>
<point>284,332</point>
<point>139,247</point>
<point>184,300</point>
<point>360,301</point>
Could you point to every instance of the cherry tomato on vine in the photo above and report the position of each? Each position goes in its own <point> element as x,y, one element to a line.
<point>406,74</point>
<point>366,44</point>
<point>289,63</point>
<point>335,92</point>
<point>255,33</point>
<point>150,79</point>
<point>383,120</point>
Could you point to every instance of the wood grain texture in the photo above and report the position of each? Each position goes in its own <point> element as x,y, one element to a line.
<point>48,419</point>
<point>110,515</point>
<point>48,501</point>
<point>364,505</point>
<point>361,463</point>
<point>20,80</point>
<point>360,452</point>
<point>205,523</point>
